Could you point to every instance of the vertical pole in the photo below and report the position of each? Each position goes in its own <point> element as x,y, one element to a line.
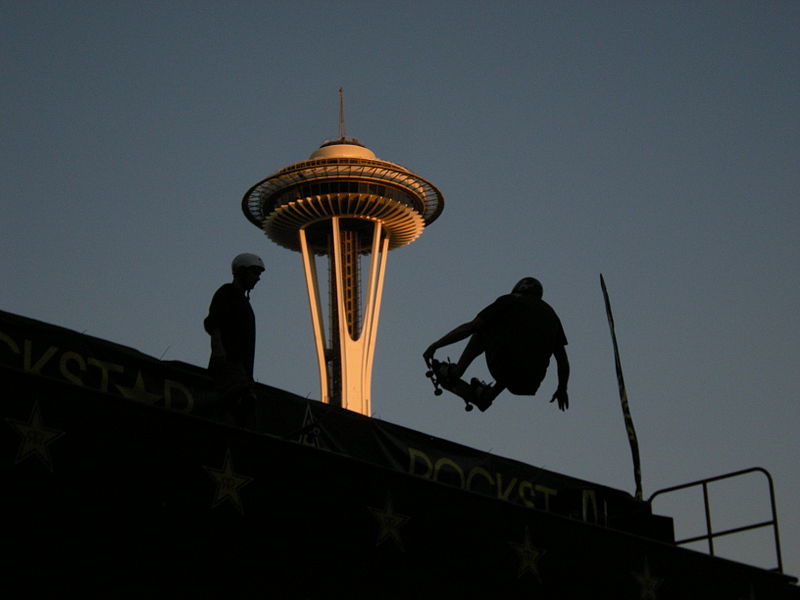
<point>707,508</point>
<point>774,520</point>
<point>339,317</point>
<point>623,397</point>
<point>341,113</point>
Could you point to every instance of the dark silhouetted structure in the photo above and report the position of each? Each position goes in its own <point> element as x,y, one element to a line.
<point>114,487</point>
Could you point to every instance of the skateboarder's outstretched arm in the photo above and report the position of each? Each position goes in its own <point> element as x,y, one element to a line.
<point>461,332</point>
<point>473,349</point>
<point>560,354</point>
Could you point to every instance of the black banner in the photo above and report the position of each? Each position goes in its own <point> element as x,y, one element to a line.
<point>110,497</point>
<point>38,349</point>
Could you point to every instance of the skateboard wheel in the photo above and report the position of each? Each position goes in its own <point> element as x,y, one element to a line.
<point>468,407</point>
<point>428,373</point>
<point>437,392</point>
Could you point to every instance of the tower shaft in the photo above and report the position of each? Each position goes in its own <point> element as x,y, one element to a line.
<point>346,354</point>
<point>349,250</point>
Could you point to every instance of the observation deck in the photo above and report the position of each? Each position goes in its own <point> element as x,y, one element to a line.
<point>342,179</point>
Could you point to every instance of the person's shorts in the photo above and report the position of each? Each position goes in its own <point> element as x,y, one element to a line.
<point>521,375</point>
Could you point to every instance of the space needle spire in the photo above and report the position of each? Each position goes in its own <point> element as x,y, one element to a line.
<point>347,206</point>
<point>341,113</point>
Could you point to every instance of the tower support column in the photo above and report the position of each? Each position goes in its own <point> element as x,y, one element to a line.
<point>345,361</point>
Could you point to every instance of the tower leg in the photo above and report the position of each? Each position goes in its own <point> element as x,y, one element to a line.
<point>312,285</point>
<point>347,366</point>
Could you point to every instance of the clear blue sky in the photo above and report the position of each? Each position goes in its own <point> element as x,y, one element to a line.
<point>653,142</point>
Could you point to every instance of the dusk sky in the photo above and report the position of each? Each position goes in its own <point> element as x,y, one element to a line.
<point>657,143</point>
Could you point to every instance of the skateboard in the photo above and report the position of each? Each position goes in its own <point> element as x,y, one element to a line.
<point>459,387</point>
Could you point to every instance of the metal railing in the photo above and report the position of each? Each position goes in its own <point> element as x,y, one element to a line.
<point>710,534</point>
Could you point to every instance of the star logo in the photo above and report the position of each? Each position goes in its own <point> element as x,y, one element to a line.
<point>528,556</point>
<point>648,584</point>
<point>228,483</point>
<point>138,392</point>
<point>389,524</point>
<point>36,438</point>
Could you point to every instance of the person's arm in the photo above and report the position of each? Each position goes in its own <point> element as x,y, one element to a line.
<point>456,335</point>
<point>217,347</point>
<point>560,354</point>
<point>212,322</point>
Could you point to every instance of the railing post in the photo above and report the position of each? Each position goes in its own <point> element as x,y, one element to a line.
<point>710,534</point>
<point>708,519</point>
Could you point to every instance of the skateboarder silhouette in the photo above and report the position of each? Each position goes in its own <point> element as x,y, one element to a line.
<point>518,333</point>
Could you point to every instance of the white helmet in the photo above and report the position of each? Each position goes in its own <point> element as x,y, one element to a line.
<point>243,261</point>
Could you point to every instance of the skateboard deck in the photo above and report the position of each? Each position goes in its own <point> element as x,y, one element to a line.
<point>466,391</point>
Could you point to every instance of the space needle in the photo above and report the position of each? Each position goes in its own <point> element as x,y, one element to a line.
<point>345,204</point>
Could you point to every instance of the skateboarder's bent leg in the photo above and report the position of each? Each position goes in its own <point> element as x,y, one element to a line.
<point>475,347</point>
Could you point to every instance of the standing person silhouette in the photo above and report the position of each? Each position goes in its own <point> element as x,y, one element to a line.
<point>232,327</point>
<point>518,333</point>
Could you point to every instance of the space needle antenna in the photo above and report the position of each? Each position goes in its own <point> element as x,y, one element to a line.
<point>341,114</point>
